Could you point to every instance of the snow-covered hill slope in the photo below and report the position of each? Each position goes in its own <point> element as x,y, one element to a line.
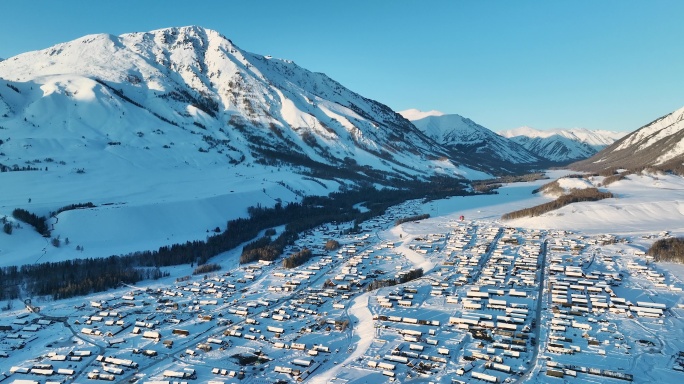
<point>659,144</point>
<point>471,143</point>
<point>562,145</point>
<point>644,203</point>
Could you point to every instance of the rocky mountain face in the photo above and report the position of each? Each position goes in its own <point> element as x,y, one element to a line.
<point>659,144</point>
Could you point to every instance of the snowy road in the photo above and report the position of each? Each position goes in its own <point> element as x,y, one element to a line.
<point>364,332</point>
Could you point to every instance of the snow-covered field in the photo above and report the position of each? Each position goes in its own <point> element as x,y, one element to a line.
<point>568,293</point>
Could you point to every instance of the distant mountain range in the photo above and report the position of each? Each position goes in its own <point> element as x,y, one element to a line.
<point>471,143</point>
<point>474,145</point>
<point>658,144</point>
<point>562,145</point>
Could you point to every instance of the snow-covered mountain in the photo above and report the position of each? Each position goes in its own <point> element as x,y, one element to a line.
<point>188,97</point>
<point>562,145</point>
<point>473,144</point>
<point>658,144</point>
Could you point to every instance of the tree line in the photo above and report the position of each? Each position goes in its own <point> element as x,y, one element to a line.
<point>70,278</point>
<point>71,207</point>
<point>575,196</point>
<point>206,268</point>
<point>490,185</point>
<point>17,168</point>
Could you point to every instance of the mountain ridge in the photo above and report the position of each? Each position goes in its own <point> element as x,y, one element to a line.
<point>591,137</point>
<point>248,107</point>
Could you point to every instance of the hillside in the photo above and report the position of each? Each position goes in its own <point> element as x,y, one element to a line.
<point>659,144</point>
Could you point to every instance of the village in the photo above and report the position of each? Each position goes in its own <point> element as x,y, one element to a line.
<point>445,301</point>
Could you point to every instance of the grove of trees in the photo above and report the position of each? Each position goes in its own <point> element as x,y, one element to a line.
<point>38,222</point>
<point>668,250</point>
<point>411,218</point>
<point>404,278</point>
<point>298,258</point>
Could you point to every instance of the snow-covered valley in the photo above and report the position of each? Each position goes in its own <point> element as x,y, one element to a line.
<point>176,209</point>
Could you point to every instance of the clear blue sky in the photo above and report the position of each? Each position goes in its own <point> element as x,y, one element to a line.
<point>607,64</point>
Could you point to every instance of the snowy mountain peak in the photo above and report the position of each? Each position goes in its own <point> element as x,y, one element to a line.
<point>416,114</point>
<point>452,129</point>
<point>472,143</point>
<point>521,131</point>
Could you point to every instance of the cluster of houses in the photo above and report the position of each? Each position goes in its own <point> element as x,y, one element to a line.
<point>57,368</point>
<point>490,278</point>
<point>555,369</point>
<point>588,301</point>
<point>645,270</point>
<point>474,311</point>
